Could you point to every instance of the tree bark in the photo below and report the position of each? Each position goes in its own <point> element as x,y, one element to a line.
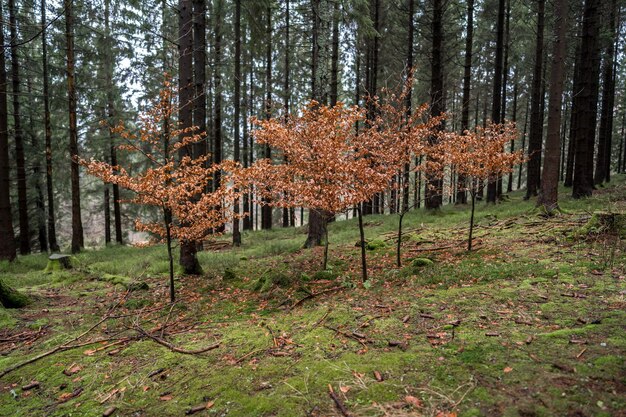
<point>434,186</point>
<point>7,243</point>
<point>586,101</point>
<point>77,224</point>
<point>496,105</point>
<point>533,172</point>
<point>52,236</point>
<point>409,98</point>
<point>40,204</point>
<point>266,209</point>
<point>548,198</point>
<point>117,212</point>
<point>287,220</point>
<point>22,199</point>
<point>603,159</point>
<point>188,259</point>
<point>461,194</point>
<point>237,105</point>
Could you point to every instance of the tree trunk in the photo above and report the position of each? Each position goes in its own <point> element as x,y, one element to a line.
<point>247,155</point>
<point>548,197</point>
<point>188,259</point>
<point>316,224</point>
<point>434,188</point>
<point>287,211</point>
<point>509,185</point>
<point>334,63</point>
<point>107,215</point>
<point>362,243</point>
<point>217,99</point>
<point>40,204</point>
<point>533,172</point>
<point>409,99</point>
<point>22,199</point>
<point>7,243</point>
<point>52,236</point>
<point>77,224</point>
<point>496,105</point>
<point>523,146</point>
<point>111,59</point>
<point>586,101</point>
<point>266,209</point>
<point>237,104</point>
<point>461,194</point>
<point>603,158</point>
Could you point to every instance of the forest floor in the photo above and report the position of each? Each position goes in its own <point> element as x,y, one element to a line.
<point>531,323</point>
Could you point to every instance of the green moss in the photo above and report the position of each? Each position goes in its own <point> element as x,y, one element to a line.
<point>375,244</point>
<point>421,262</point>
<point>11,298</point>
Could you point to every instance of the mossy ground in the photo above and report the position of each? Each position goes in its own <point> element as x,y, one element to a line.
<point>529,324</point>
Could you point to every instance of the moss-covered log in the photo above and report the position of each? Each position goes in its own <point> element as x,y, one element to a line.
<point>602,222</point>
<point>11,298</point>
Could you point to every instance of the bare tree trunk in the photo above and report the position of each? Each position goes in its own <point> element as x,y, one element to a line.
<point>188,259</point>
<point>40,205</point>
<point>461,194</point>
<point>287,211</point>
<point>237,100</point>
<point>603,158</point>
<point>77,224</point>
<point>7,243</point>
<point>52,237</point>
<point>217,99</point>
<point>117,213</point>
<point>509,185</point>
<point>586,101</point>
<point>316,224</point>
<point>434,187</point>
<point>533,172</point>
<point>266,209</point>
<point>409,99</point>
<point>22,199</point>
<point>548,198</point>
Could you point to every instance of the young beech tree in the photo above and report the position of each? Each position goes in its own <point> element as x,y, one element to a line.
<point>330,167</point>
<point>176,186</point>
<point>479,157</point>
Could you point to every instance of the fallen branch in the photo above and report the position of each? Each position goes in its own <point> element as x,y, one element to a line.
<point>313,295</point>
<point>340,406</point>
<point>174,348</point>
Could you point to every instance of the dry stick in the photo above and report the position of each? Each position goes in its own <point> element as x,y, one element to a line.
<point>61,348</point>
<point>167,320</point>
<point>175,348</point>
<point>312,295</point>
<point>338,402</point>
<point>345,334</point>
<point>68,345</point>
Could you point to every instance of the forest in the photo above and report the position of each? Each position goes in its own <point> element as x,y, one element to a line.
<point>313,208</point>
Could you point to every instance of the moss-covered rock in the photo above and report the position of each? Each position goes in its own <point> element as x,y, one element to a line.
<point>327,274</point>
<point>421,262</point>
<point>375,244</point>
<point>126,282</point>
<point>11,298</point>
<point>229,275</point>
<point>270,279</point>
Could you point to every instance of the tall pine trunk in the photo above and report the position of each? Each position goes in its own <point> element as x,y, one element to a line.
<point>409,98</point>
<point>7,243</point>
<point>188,258</point>
<point>287,218</point>
<point>266,209</point>
<point>111,59</point>
<point>237,105</point>
<point>22,199</point>
<point>496,105</point>
<point>548,198</point>
<point>603,159</point>
<point>533,172</point>
<point>586,101</point>
<point>461,195</point>
<point>434,187</point>
<point>77,224</point>
<point>316,225</point>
